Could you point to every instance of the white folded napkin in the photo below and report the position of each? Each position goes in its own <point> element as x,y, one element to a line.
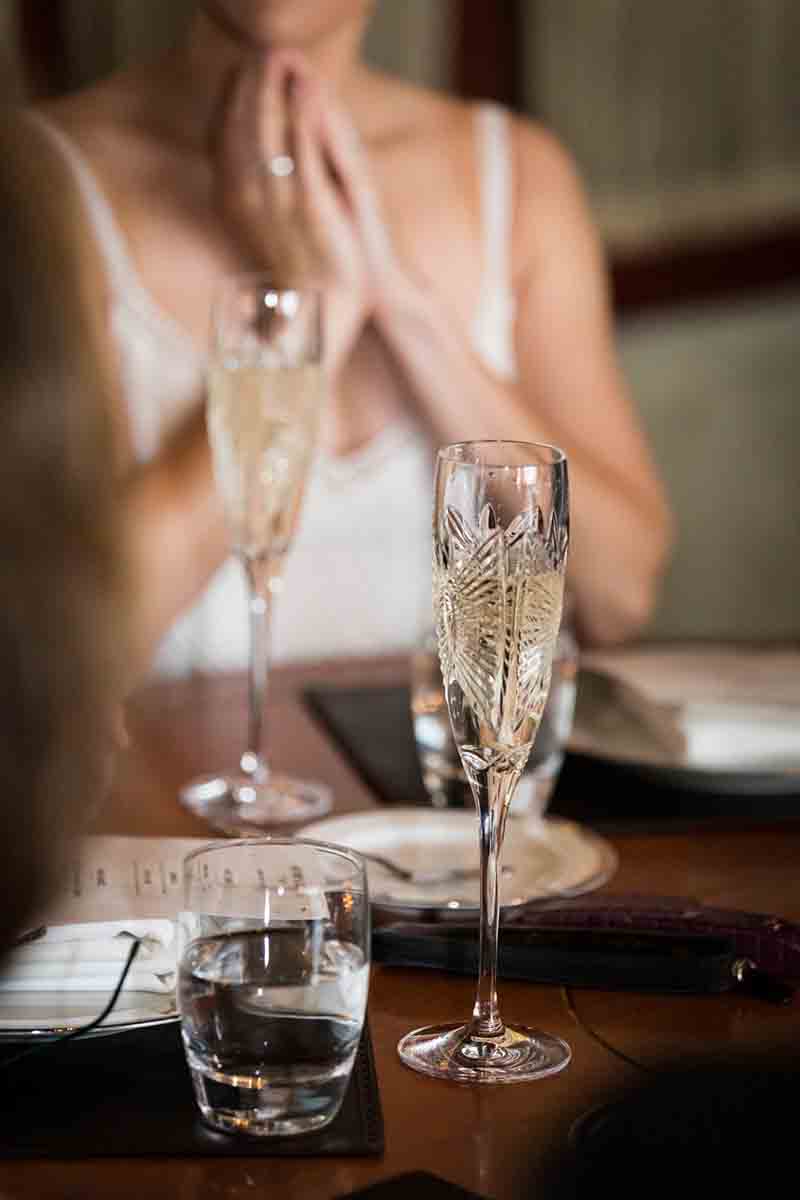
<point>743,737</point>
<point>619,720</point>
<point>90,958</point>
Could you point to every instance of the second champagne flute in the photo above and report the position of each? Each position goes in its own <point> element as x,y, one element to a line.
<point>265,399</point>
<point>500,536</point>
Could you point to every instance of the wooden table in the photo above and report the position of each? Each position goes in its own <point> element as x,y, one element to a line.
<point>475,1137</point>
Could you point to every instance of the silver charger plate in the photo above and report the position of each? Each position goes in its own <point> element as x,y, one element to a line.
<point>723,719</point>
<point>547,857</point>
<point>28,1016</point>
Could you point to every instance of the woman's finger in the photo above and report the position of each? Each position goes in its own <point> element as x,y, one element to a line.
<point>240,175</point>
<point>274,145</point>
<point>343,146</point>
<point>325,214</point>
<point>347,156</point>
<point>280,71</point>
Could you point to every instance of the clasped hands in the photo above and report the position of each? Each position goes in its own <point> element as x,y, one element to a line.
<point>294,184</point>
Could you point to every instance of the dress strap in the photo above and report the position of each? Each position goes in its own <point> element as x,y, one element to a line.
<point>494,315</point>
<point>108,234</point>
<point>494,159</point>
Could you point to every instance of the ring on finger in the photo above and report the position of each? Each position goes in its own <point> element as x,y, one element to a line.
<point>280,165</point>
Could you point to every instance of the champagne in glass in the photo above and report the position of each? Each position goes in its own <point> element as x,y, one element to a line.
<point>265,398</point>
<point>262,425</point>
<point>501,530</point>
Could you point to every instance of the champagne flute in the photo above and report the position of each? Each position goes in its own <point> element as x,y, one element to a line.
<point>265,397</point>
<point>500,531</point>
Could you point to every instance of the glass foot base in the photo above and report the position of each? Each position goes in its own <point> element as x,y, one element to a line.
<point>237,806</point>
<point>243,1123</point>
<point>451,1052</point>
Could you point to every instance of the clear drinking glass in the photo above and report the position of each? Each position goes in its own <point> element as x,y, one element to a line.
<point>501,531</point>
<point>272,981</point>
<point>265,399</point>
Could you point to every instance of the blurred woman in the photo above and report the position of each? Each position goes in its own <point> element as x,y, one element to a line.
<point>61,626</point>
<point>466,297</point>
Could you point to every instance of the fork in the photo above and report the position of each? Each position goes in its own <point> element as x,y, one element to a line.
<point>454,875</point>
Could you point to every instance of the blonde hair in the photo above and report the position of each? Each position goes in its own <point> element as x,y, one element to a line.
<point>60,575</point>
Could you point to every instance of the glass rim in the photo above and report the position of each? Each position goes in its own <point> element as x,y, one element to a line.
<point>351,856</point>
<point>258,279</point>
<point>449,454</point>
<point>232,289</point>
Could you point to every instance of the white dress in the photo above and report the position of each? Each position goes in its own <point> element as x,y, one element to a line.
<point>357,579</point>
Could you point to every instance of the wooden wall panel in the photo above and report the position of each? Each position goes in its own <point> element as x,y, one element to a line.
<point>486,46</point>
<point>42,37</point>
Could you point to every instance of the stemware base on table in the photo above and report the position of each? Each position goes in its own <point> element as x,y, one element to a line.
<point>453,1051</point>
<point>236,805</point>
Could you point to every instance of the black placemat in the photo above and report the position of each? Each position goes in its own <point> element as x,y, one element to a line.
<point>372,726</point>
<point>130,1094</point>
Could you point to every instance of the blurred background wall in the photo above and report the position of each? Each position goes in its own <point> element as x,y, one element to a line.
<point>684,115</point>
<point>684,120</point>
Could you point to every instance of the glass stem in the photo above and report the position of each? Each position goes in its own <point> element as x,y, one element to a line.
<point>493,788</point>
<point>253,761</point>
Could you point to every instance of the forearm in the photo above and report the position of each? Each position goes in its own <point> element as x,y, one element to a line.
<point>620,540</point>
<point>175,536</point>
<point>620,532</point>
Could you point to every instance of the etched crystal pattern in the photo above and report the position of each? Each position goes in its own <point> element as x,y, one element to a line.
<point>498,595</point>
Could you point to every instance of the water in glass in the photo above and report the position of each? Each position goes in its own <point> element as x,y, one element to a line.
<point>271,1025</point>
<point>272,981</point>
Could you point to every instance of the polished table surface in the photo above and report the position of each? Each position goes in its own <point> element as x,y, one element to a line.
<point>478,1138</point>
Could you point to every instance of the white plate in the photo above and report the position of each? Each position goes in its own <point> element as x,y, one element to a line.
<point>25,1016</point>
<point>737,710</point>
<point>547,857</point>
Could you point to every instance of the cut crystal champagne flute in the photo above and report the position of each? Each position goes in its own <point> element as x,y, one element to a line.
<point>265,397</point>
<point>500,533</point>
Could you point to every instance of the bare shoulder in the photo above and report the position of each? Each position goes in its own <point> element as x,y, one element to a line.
<point>541,154</point>
<point>102,118</point>
<point>551,203</point>
<point>412,111</point>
